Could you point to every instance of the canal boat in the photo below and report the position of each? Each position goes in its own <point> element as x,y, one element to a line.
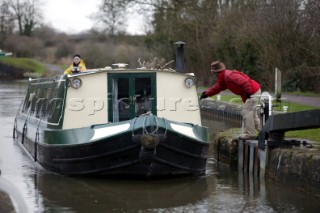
<point>114,121</point>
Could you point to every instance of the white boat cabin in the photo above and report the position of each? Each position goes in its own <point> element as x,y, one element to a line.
<point>111,95</point>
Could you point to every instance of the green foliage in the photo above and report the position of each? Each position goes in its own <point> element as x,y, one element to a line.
<point>249,59</point>
<point>227,51</point>
<point>251,36</point>
<point>302,79</point>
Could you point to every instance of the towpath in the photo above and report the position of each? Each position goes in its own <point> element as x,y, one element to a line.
<point>53,69</point>
<point>305,100</point>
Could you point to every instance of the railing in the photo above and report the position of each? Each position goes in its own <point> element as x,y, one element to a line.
<point>220,111</point>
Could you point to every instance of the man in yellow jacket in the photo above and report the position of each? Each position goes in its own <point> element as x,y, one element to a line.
<point>77,66</point>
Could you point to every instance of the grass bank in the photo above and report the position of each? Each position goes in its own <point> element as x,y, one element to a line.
<point>30,66</point>
<point>308,94</point>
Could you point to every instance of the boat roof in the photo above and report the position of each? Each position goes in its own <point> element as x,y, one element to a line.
<point>121,69</point>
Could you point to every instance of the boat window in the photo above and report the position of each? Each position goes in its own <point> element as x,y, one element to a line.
<point>45,107</point>
<point>132,95</point>
<point>34,100</point>
<point>142,96</point>
<point>55,104</point>
<point>39,106</point>
<point>121,108</point>
<point>27,103</point>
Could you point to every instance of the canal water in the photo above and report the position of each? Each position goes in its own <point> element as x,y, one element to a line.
<point>222,189</point>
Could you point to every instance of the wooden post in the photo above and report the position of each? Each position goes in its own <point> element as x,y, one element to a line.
<point>251,157</point>
<point>277,84</point>
<point>262,158</point>
<point>246,156</point>
<point>240,154</point>
<point>256,160</point>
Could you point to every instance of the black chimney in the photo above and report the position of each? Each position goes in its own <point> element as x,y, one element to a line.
<point>180,56</point>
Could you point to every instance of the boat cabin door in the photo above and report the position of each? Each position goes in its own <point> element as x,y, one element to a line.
<point>130,95</point>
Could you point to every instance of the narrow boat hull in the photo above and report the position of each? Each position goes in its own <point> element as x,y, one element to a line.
<point>118,154</point>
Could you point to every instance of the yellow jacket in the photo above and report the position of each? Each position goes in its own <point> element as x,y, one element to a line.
<point>82,67</point>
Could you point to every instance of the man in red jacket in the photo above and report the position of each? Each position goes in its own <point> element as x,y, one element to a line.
<point>239,84</point>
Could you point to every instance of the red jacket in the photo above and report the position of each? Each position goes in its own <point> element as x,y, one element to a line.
<point>237,82</point>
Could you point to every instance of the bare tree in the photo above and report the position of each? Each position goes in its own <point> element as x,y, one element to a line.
<point>27,13</point>
<point>6,19</point>
<point>32,16</point>
<point>111,13</point>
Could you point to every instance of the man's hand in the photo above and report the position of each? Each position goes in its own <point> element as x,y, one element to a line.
<point>203,95</point>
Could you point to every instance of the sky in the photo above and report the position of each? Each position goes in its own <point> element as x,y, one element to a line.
<point>72,16</point>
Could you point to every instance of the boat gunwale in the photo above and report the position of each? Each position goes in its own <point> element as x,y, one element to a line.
<point>127,70</point>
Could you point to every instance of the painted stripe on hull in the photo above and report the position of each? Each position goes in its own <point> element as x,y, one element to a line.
<point>109,131</point>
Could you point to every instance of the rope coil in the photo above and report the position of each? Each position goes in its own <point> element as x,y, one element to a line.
<point>148,140</point>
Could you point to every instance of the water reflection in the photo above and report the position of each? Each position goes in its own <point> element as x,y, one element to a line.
<point>222,189</point>
<point>105,195</point>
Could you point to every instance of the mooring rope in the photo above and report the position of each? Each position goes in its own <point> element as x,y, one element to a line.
<point>145,131</point>
<point>144,128</point>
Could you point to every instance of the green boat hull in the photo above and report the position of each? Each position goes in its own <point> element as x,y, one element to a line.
<point>146,146</point>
